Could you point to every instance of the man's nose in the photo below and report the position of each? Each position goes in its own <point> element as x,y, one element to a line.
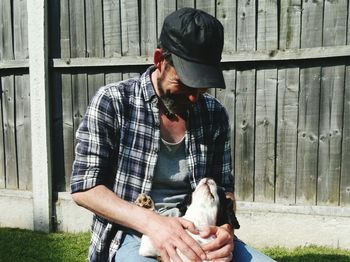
<point>193,96</point>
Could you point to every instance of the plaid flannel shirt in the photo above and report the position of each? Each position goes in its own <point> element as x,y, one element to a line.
<point>118,143</point>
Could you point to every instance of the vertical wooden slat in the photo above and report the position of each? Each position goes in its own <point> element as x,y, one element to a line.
<point>95,81</point>
<point>20,29</point>
<point>226,14</point>
<point>94,28</point>
<point>67,97</point>
<point>164,7</point>
<point>244,130</point>
<point>6,48</point>
<point>80,99</point>
<point>23,132</point>
<point>290,12</point>
<point>331,109</point>
<point>266,84</point>
<point>2,145</point>
<point>311,36</point>
<point>207,6</point>
<point>68,127</point>
<point>148,27</point>
<point>77,28</point>
<point>112,34</point>
<point>112,28</point>
<point>130,27</point>
<point>287,135</point>
<point>287,113</point>
<point>64,28</point>
<point>246,20</point>
<point>245,105</point>
<point>345,167</point>
<point>185,3</point>
<point>8,99</point>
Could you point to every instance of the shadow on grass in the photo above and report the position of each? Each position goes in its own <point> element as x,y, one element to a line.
<point>23,245</point>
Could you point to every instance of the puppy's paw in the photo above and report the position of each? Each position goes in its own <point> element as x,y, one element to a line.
<point>145,201</point>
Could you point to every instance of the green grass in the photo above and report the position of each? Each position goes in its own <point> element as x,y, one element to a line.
<point>23,245</point>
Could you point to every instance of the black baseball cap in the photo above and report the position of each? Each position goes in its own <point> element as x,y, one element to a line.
<point>195,40</point>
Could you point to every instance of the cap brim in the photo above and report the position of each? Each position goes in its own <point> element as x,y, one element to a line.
<point>197,75</point>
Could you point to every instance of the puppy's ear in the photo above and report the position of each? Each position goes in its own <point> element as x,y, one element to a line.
<point>226,213</point>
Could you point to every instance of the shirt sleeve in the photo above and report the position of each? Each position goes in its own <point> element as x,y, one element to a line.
<point>96,140</point>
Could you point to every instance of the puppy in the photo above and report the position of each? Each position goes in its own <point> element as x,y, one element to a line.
<point>208,206</point>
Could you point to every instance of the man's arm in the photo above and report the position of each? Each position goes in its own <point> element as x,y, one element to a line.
<point>166,233</point>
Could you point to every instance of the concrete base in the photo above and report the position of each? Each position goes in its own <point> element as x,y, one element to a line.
<point>262,224</point>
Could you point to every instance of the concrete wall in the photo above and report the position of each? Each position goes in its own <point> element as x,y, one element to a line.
<point>262,224</point>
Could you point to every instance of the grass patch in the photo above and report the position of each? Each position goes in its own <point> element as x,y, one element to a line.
<point>17,245</point>
<point>24,245</point>
<point>308,254</point>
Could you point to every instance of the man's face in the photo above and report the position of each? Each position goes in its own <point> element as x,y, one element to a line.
<point>176,96</point>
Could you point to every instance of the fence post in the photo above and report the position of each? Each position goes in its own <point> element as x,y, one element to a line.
<point>40,114</point>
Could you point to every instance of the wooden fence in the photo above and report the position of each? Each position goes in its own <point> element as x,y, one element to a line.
<point>287,71</point>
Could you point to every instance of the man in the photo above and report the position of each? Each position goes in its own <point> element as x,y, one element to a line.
<point>158,134</point>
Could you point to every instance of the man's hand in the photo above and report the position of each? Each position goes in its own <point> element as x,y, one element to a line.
<point>169,233</point>
<point>222,247</point>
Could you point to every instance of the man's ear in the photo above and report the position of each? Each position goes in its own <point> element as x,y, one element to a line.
<point>158,58</point>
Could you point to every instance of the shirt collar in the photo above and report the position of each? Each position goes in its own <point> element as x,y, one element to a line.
<point>146,84</point>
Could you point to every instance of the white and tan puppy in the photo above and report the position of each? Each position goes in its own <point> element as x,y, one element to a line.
<point>208,206</point>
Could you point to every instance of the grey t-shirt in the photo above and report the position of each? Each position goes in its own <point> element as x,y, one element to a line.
<point>170,181</point>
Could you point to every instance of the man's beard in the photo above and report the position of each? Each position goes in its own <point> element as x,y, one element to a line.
<point>174,104</point>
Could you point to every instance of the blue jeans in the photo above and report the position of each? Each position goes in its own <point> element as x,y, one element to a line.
<point>129,252</point>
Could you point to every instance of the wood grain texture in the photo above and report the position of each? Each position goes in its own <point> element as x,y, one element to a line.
<point>23,132</point>
<point>287,135</point>
<point>332,106</point>
<point>8,98</point>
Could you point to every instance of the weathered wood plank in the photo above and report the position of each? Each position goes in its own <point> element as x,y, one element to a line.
<point>148,27</point>
<point>80,99</point>
<point>267,21</point>
<point>8,98</point>
<point>207,6</point>
<point>2,145</point>
<point>287,137</point>
<point>287,113</point>
<point>290,24</point>
<point>113,77</point>
<point>246,20</point>
<point>95,81</point>
<point>77,28</point>
<point>130,27</point>
<point>112,28</point>
<point>164,7</point>
<point>65,28</point>
<point>185,3</point>
<point>226,14</point>
<point>308,120</point>
<point>311,36</point>
<point>23,132</point>
<point>6,48</point>
<point>94,28</point>
<point>345,163</point>
<point>244,140</point>
<point>68,127</point>
<point>20,19</point>
<point>312,20</point>
<point>331,109</point>
<point>266,84</point>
